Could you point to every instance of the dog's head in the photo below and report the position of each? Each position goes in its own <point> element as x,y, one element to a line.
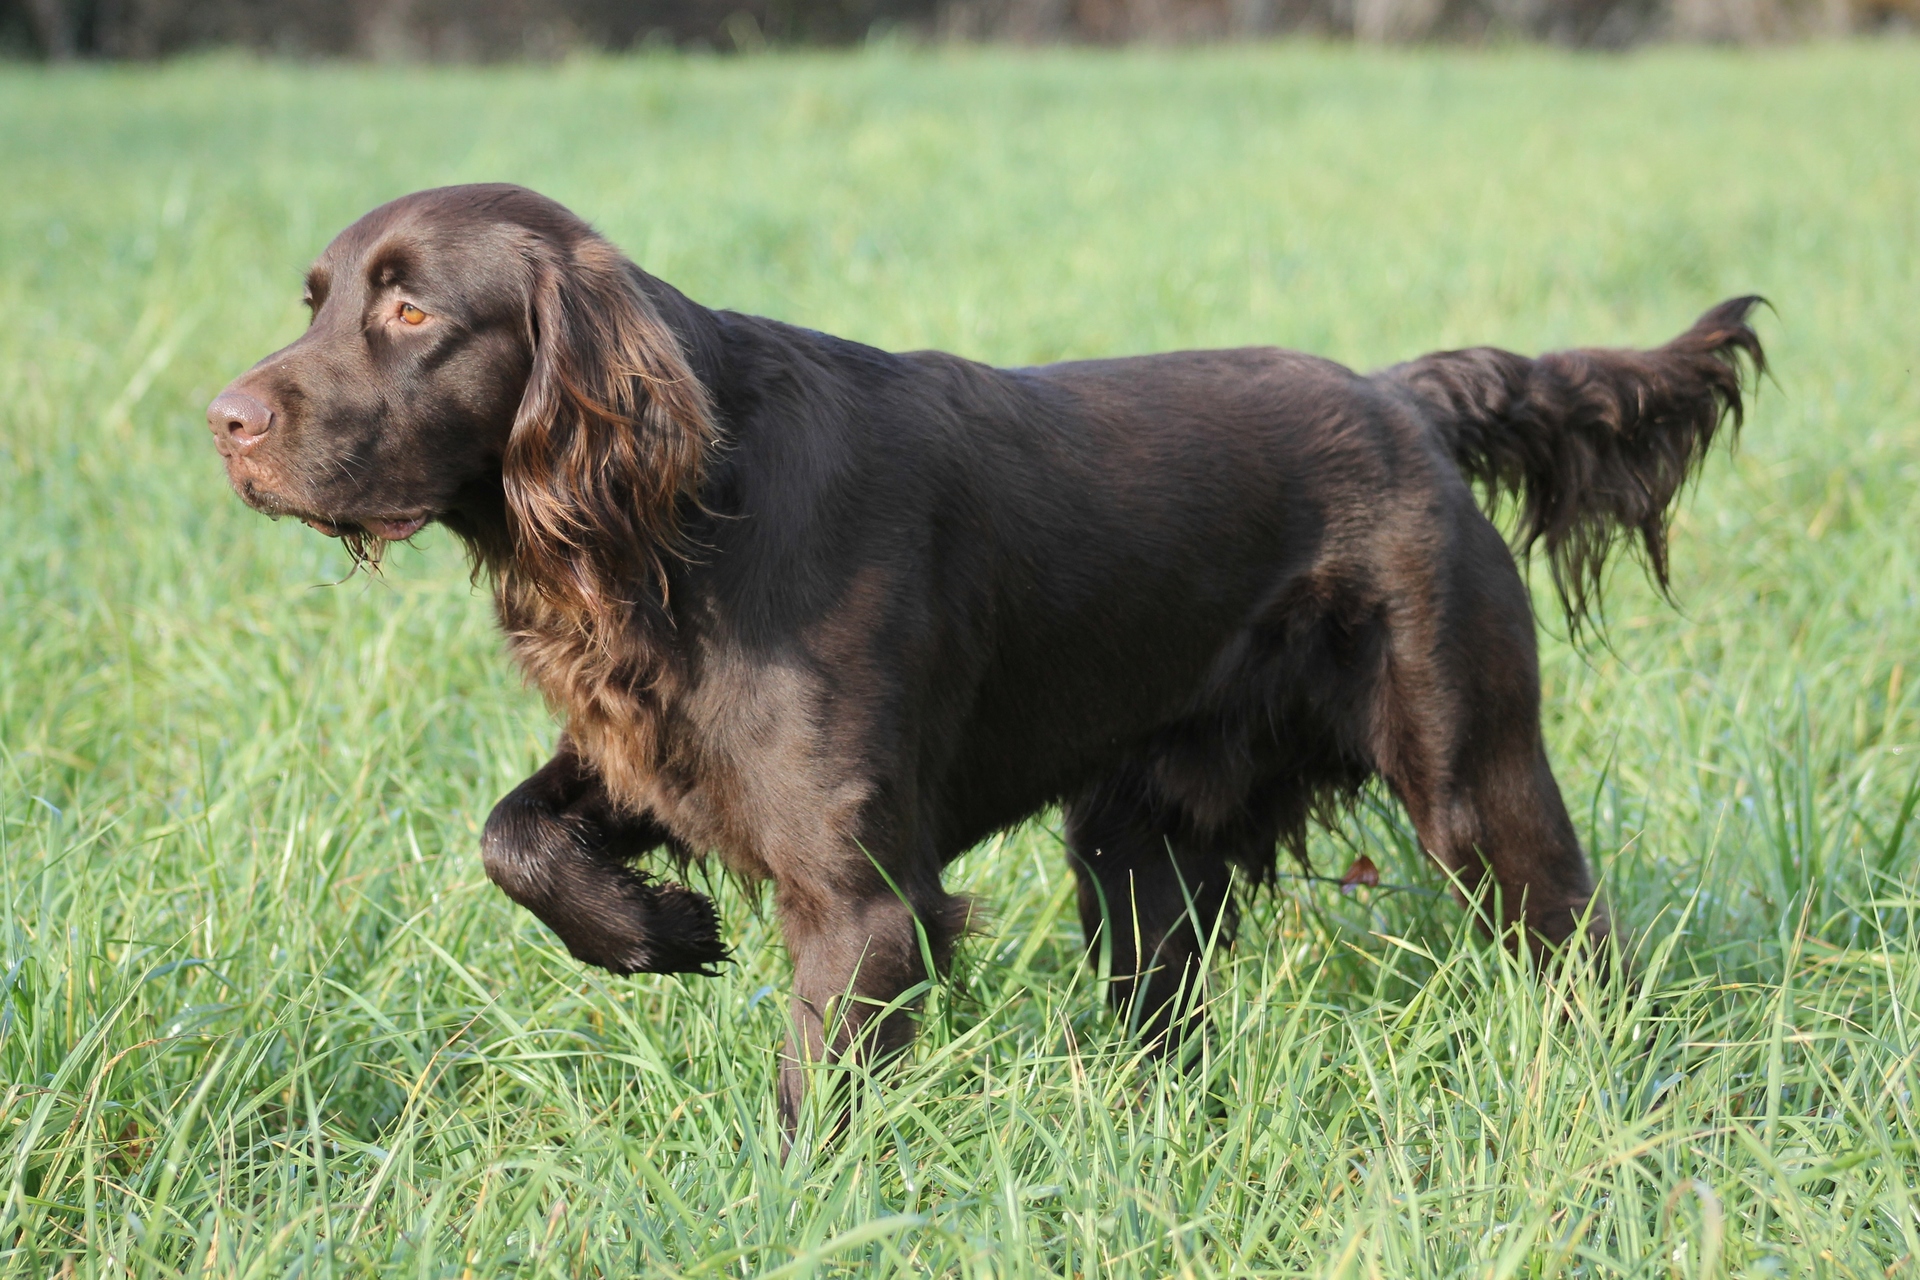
<point>476,354</point>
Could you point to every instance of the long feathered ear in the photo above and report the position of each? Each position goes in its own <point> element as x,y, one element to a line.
<point>610,441</point>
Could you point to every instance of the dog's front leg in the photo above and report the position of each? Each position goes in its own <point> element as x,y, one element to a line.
<point>558,847</point>
<point>858,951</point>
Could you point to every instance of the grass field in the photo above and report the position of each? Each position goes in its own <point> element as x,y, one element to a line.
<point>262,1015</point>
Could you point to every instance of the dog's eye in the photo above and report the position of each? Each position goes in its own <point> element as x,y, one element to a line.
<point>411,314</point>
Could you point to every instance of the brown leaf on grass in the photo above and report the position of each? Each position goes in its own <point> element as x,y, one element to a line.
<point>128,1146</point>
<point>1362,872</point>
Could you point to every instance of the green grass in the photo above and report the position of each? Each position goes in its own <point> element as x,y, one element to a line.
<point>262,1015</point>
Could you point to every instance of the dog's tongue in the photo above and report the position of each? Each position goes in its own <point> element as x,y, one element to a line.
<point>395,530</point>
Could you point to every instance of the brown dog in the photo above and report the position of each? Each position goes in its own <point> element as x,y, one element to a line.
<point>838,614</point>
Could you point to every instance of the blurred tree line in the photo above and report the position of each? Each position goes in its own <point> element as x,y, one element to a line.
<point>496,29</point>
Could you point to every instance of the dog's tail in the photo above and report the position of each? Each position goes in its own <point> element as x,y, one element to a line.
<point>1593,445</point>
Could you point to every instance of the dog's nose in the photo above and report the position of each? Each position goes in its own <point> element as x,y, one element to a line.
<point>239,418</point>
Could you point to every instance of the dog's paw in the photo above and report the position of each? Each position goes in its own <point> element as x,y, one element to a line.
<point>654,928</point>
<point>559,867</point>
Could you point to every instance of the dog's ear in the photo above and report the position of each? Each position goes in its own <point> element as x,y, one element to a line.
<point>610,440</point>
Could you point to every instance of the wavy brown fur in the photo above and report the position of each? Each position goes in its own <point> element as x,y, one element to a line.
<point>1593,444</point>
<point>609,444</point>
<point>611,438</point>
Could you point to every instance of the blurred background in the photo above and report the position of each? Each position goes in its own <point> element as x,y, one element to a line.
<point>469,30</point>
<point>261,1011</point>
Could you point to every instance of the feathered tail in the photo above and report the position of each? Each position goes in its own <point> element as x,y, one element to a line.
<point>1593,444</point>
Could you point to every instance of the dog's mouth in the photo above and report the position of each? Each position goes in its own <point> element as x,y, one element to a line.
<point>397,527</point>
<point>385,528</point>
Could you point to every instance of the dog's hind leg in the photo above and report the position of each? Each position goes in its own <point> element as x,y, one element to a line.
<point>1455,731</point>
<point>1153,897</point>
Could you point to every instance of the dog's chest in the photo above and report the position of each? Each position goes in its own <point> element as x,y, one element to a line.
<point>734,756</point>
